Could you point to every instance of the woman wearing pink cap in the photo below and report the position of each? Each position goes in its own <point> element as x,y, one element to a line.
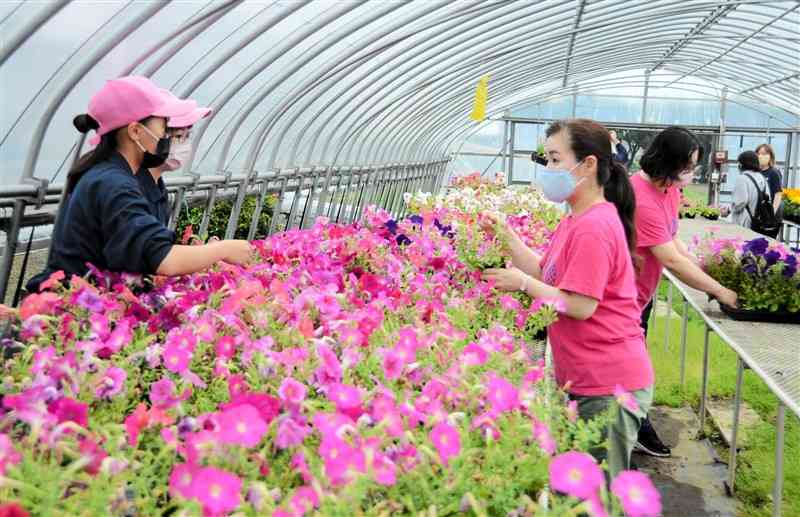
<point>179,129</point>
<point>105,220</point>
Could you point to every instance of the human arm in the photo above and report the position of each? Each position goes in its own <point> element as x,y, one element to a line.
<point>522,256</point>
<point>183,260</point>
<point>776,204</point>
<point>741,194</point>
<point>690,274</point>
<point>576,306</point>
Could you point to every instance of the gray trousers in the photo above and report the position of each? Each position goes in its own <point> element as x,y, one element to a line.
<point>623,429</point>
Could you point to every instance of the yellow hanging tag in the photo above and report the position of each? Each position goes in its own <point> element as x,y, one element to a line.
<point>481,97</point>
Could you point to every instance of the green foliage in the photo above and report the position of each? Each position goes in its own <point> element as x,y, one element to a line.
<point>218,221</point>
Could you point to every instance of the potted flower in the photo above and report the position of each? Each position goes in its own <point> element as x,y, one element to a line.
<point>765,276</point>
<point>791,204</point>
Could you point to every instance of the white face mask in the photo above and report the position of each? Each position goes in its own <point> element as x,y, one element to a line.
<point>764,159</point>
<point>178,155</point>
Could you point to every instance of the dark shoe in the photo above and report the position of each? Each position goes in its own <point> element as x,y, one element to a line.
<point>650,443</point>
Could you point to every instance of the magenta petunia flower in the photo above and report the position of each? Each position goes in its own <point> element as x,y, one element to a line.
<point>181,480</point>
<point>111,383</point>
<point>8,455</point>
<point>290,433</point>
<point>502,395</point>
<point>577,474</point>
<point>475,355</point>
<point>626,399</point>
<point>304,500</point>
<point>543,436</point>
<point>68,410</point>
<point>393,364</point>
<point>638,495</point>
<point>177,359</point>
<point>385,470</point>
<point>242,425</point>
<point>217,490</point>
<point>345,397</point>
<point>447,441</point>
<point>268,407</point>
<point>292,391</point>
<point>225,347</point>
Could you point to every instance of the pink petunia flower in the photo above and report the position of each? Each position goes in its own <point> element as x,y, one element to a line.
<point>543,436</point>
<point>638,495</point>
<point>292,391</point>
<point>577,474</point>
<point>177,359</point>
<point>475,355</point>
<point>502,395</point>
<point>163,396</point>
<point>393,364</point>
<point>68,410</point>
<point>626,399</point>
<point>217,490</point>
<point>225,347</point>
<point>385,470</point>
<point>111,383</point>
<point>8,455</point>
<point>268,407</point>
<point>290,433</point>
<point>304,500</point>
<point>344,396</point>
<point>447,441</point>
<point>572,411</point>
<point>242,425</point>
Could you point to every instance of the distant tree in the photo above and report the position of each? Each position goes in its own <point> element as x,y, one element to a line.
<point>635,140</point>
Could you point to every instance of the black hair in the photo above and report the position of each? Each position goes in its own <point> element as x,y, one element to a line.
<point>108,144</point>
<point>748,161</point>
<point>104,150</point>
<point>588,138</point>
<point>670,153</point>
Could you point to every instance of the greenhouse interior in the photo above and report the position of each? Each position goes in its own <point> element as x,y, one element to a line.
<point>373,258</point>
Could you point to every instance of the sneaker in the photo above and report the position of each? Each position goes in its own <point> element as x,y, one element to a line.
<point>649,442</point>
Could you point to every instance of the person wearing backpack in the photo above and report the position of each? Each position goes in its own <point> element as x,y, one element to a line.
<point>752,206</point>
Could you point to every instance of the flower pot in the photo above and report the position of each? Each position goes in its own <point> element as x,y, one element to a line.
<point>762,316</point>
<point>712,217</point>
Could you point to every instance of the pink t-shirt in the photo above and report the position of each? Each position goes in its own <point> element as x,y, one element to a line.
<point>589,255</point>
<point>656,224</point>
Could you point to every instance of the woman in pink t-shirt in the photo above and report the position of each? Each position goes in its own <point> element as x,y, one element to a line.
<point>597,343</point>
<point>667,165</point>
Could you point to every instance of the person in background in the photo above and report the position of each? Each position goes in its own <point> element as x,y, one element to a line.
<point>766,164</point>
<point>667,166</point>
<point>618,151</point>
<point>105,220</point>
<point>179,128</point>
<point>750,183</point>
<point>597,343</point>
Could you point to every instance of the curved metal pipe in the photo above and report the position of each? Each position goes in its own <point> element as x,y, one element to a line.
<point>36,141</point>
<point>26,31</point>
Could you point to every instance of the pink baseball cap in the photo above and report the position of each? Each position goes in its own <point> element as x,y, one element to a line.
<point>189,119</point>
<point>130,99</point>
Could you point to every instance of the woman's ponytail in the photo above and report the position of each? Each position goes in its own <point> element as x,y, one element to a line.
<point>618,190</point>
<point>108,144</point>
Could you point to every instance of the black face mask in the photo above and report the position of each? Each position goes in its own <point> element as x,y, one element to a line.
<point>157,159</point>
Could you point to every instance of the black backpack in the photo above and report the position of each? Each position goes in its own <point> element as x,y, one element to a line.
<point>764,220</point>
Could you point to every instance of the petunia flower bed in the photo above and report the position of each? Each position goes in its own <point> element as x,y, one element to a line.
<point>764,274</point>
<point>347,372</point>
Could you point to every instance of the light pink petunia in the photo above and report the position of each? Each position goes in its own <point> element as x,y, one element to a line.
<point>304,500</point>
<point>8,455</point>
<point>502,395</point>
<point>217,490</point>
<point>292,391</point>
<point>638,495</point>
<point>475,355</point>
<point>111,383</point>
<point>447,441</point>
<point>543,436</point>
<point>242,425</point>
<point>626,399</point>
<point>577,474</point>
<point>176,358</point>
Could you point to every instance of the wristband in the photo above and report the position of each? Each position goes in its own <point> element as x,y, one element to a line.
<point>524,287</point>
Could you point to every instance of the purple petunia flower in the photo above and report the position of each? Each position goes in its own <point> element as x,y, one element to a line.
<point>756,246</point>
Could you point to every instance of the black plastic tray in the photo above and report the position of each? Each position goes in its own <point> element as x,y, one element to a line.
<point>764,316</point>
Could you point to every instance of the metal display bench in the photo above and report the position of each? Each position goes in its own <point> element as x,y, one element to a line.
<point>770,350</point>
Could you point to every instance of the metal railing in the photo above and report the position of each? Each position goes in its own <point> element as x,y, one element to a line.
<point>765,348</point>
<point>338,193</point>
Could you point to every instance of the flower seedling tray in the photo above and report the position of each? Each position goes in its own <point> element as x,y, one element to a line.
<point>763,316</point>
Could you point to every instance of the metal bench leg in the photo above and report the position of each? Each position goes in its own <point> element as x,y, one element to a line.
<point>684,327</point>
<point>704,388</point>
<point>737,402</point>
<point>777,488</point>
